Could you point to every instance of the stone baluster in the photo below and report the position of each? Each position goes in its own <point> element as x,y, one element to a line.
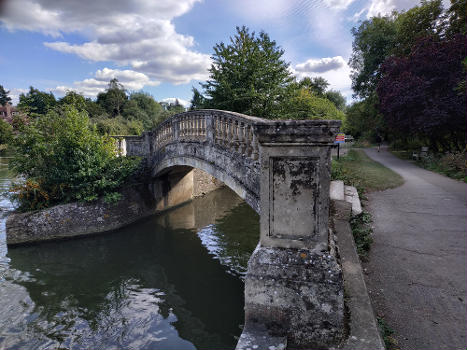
<point>240,137</point>
<point>248,140</point>
<point>202,126</point>
<point>226,136</point>
<point>176,129</point>
<point>184,127</point>
<point>198,126</point>
<point>194,118</point>
<point>210,132</point>
<point>254,145</point>
<point>234,135</point>
<point>228,133</point>
<point>221,130</point>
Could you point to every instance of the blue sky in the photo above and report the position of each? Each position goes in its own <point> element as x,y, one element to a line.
<point>163,47</point>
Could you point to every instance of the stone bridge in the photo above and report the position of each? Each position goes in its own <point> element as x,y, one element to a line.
<point>293,288</point>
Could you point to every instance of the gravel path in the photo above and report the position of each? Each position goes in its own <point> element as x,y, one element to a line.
<point>416,274</point>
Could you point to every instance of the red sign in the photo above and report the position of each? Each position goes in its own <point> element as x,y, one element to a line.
<point>340,138</point>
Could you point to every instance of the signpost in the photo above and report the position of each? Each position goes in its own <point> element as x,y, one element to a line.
<point>340,138</point>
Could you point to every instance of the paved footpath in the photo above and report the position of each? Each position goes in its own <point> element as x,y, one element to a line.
<point>416,274</point>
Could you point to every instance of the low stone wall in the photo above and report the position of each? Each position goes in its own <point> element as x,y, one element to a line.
<point>78,219</point>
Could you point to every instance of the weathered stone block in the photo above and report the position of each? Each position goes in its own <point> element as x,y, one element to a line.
<point>296,293</point>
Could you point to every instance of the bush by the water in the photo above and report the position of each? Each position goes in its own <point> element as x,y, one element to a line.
<point>63,158</point>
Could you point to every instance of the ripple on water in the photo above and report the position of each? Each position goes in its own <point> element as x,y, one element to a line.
<point>146,286</point>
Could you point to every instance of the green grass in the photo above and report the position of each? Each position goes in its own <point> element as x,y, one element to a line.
<point>358,170</point>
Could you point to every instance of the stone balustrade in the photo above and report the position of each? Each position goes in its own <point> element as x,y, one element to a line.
<point>232,131</point>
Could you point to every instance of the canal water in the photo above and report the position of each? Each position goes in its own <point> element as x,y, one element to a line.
<point>173,281</point>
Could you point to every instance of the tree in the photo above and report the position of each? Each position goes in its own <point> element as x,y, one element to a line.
<point>301,103</point>
<point>64,159</point>
<point>337,98</point>
<point>419,93</point>
<point>142,107</point>
<point>72,98</point>
<point>4,98</point>
<point>373,42</point>
<point>456,17</point>
<point>6,132</point>
<point>363,120</point>
<point>36,103</point>
<point>248,75</point>
<point>380,37</point>
<point>113,99</point>
<point>198,101</point>
<point>418,22</point>
<point>316,85</point>
<point>94,109</point>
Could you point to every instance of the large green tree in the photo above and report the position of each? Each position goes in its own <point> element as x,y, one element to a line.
<point>378,38</point>
<point>113,99</point>
<point>4,98</point>
<point>36,103</point>
<point>248,75</point>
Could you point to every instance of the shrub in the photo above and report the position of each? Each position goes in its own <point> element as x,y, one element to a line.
<point>64,159</point>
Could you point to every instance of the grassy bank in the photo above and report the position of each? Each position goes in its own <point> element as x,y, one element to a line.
<point>358,170</point>
<point>453,165</point>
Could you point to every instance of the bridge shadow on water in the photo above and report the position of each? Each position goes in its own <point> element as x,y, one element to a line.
<point>172,281</point>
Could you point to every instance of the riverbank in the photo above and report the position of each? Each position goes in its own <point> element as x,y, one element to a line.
<point>79,219</point>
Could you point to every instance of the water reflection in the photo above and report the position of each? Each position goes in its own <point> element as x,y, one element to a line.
<point>168,282</point>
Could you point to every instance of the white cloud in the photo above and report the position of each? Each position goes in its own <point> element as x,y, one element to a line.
<point>334,69</point>
<point>183,102</point>
<point>321,65</point>
<point>131,80</point>
<point>139,34</point>
<point>338,4</point>
<point>380,7</point>
<point>14,94</point>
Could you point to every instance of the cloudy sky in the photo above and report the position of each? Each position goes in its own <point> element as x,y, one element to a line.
<point>164,46</point>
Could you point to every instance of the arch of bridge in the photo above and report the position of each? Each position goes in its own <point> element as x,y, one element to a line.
<point>280,168</point>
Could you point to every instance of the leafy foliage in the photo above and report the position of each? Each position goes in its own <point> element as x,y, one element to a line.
<point>419,95</point>
<point>64,159</point>
<point>113,100</point>
<point>4,98</point>
<point>248,75</point>
<point>36,103</point>
<point>6,132</point>
<point>300,103</point>
<point>362,233</point>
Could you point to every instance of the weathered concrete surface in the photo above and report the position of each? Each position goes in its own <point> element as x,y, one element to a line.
<point>295,158</point>
<point>417,267</point>
<point>77,219</point>
<point>336,190</point>
<point>180,184</point>
<point>363,332</point>
<point>351,196</point>
<point>241,174</point>
<point>257,338</point>
<point>295,293</point>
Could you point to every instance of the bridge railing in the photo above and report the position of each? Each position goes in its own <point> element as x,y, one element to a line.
<point>233,131</point>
